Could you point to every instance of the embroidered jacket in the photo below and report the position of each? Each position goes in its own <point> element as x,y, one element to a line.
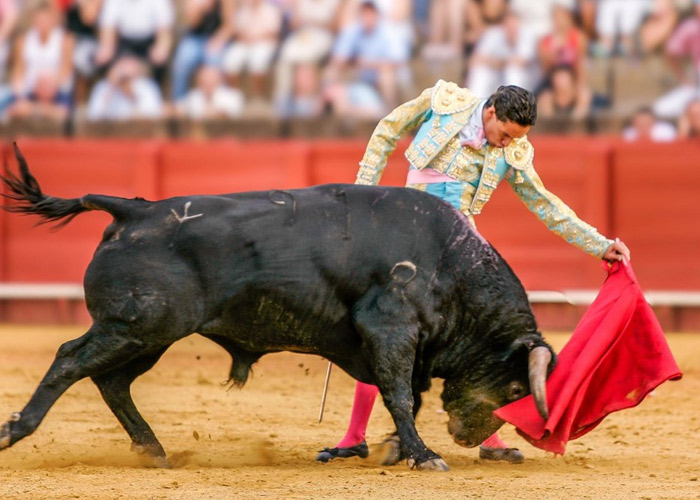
<point>441,112</point>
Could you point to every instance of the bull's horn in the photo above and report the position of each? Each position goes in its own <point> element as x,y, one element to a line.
<point>537,369</point>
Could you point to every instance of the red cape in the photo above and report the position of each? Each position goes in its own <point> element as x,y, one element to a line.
<point>615,357</point>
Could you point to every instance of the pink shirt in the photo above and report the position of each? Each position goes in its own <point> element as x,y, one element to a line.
<point>427,176</point>
<point>685,41</point>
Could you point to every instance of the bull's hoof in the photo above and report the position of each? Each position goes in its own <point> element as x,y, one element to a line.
<point>151,455</point>
<point>433,464</point>
<point>6,430</point>
<point>5,436</point>
<point>390,451</point>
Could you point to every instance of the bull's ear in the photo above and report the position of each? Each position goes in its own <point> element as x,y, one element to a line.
<point>528,342</point>
<point>523,345</point>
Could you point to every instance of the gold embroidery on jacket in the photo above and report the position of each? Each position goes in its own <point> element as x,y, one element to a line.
<point>519,153</point>
<point>449,98</point>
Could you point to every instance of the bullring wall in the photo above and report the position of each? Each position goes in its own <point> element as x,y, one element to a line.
<point>648,195</point>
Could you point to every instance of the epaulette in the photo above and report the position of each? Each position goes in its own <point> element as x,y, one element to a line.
<point>449,98</point>
<point>519,153</point>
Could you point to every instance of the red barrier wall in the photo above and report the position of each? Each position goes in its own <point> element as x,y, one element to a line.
<point>229,166</point>
<point>656,189</point>
<point>338,161</point>
<point>645,194</point>
<point>70,170</point>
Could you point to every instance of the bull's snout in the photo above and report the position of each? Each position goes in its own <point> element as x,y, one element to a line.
<point>472,428</point>
<point>465,435</point>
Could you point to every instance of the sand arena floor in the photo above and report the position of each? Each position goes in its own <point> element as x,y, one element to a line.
<point>260,442</point>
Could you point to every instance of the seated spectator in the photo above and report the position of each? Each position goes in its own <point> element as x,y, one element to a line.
<point>480,14</point>
<point>504,56</point>
<point>45,101</point>
<point>619,18</point>
<point>684,43</point>
<point>312,24</point>
<point>566,97</point>
<point>125,94</point>
<point>211,98</point>
<point>366,49</point>
<point>8,21</point>
<point>644,126</point>
<point>492,11</point>
<point>565,45</point>
<point>396,15</point>
<point>81,21</point>
<point>689,123</point>
<point>355,99</point>
<point>446,23</point>
<point>304,100</point>
<point>658,26</point>
<point>43,49</point>
<point>209,28</point>
<point>140,28</point>
<point>420,13</point>
<point>537,16</point>
<point>587,10</point>
<point>257,25</point>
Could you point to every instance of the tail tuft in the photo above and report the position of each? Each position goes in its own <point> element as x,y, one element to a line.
<point>26,193</point>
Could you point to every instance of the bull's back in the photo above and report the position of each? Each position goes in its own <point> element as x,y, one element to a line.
<point>340,230</point>
<point>294,261</point>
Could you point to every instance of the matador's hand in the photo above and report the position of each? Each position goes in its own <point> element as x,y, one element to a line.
<point>617,251</point>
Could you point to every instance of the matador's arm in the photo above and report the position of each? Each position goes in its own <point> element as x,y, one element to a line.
<point>390,129</point>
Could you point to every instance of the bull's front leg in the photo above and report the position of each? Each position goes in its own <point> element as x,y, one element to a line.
<point>399,402</point>
<point>390,331</point>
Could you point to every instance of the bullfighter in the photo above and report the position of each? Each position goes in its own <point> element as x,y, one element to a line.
<point>464,147</point>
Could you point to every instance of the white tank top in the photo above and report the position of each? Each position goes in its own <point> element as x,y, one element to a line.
<point>41,57</point>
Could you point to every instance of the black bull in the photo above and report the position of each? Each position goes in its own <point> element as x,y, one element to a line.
<point>390,284</point>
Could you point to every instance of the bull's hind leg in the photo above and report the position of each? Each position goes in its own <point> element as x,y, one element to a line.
<point>87,356</point>
<point>389,327</point>
<point>114,387</point>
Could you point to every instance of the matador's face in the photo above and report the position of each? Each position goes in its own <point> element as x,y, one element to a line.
<point>500,133</point>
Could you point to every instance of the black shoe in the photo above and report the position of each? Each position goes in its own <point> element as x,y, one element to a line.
<point>359,450</point>
<point>510,455</point>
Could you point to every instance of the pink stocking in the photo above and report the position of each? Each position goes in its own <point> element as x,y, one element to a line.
<point>365,395</point>
<point>494,441</point>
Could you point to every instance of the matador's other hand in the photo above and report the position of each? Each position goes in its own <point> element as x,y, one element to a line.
<point>617,251</point>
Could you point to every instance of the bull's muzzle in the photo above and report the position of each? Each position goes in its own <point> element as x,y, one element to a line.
<point>470,433</point>
<point>538,363</point>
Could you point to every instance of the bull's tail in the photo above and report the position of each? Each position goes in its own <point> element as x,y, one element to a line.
<point>26,194</point>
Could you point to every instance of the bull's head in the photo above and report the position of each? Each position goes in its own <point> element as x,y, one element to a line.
<point>471,399</point>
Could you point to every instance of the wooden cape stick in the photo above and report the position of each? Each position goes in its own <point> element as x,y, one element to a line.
<point>325,391</point>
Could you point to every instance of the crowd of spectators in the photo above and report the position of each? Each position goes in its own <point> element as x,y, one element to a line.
<point>103,60</point>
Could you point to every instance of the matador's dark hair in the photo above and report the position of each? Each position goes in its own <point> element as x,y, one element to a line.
<point>515,104</point>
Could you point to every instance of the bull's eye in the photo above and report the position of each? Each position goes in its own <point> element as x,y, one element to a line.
<point>516,390</point>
